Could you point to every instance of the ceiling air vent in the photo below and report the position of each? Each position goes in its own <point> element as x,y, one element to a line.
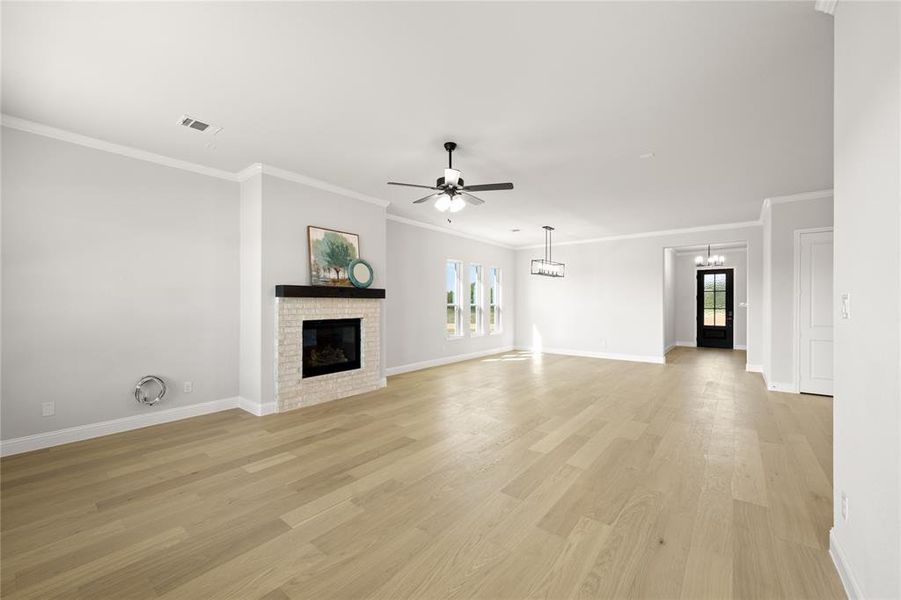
<point>193,123</point>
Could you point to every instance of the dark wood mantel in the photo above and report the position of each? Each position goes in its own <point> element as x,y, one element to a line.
<point>322,291</point>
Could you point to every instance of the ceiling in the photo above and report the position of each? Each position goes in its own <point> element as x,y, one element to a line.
<point>733,98</point>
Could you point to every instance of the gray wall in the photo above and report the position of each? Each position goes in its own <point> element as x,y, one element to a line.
<point>112,268</point>
<point>250,382</point>
<point>669,298</point>
<point>288,208</point>
<point>415,327</point>
<point>785,219</point>
<point>611,300</point>
<point>867,405</point>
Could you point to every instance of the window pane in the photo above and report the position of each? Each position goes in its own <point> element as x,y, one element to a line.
<point>708,299</point>
<point>720,317</point>
<point>708,316</point>
<point>720,281</point>
<point>473,319</point>
<point>451,279</point>
<point>708,282</point>
<point>492,319</point>
<point>451,321</point>
<point>720,300</point>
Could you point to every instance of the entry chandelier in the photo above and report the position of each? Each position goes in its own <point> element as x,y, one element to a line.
<point>545,266</point>
<point>716,260</point>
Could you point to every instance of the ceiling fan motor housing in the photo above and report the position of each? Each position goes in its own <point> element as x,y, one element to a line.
<point>440,182</point>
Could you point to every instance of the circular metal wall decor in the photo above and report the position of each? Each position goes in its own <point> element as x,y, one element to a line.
<point>360,273</point>
<point>149,390</point>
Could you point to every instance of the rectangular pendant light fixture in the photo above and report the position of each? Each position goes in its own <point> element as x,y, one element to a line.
<point>545,266</point>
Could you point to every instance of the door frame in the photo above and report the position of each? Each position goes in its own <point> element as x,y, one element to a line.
<point>796,304</point>
<point>697,291</point>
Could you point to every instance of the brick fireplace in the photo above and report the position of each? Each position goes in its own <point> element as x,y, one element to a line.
<point>329,314</point>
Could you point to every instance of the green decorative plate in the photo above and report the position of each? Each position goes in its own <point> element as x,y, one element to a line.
<point>360,273</point>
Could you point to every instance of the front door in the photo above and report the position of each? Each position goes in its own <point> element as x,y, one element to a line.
<point>715,308</point>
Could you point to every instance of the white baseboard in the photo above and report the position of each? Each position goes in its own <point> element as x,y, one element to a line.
<point>606,355</point>
<point>753,368</point>
<point>255,408</point>
<point>785,388</point>
<point>852,589</point>
<point>739,347</point>
<point>668,348</point>
<point>445,360</point>
<point>687,344</point>
<point>154,416</point>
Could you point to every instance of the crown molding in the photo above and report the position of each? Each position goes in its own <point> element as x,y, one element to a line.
<point>646,234</point>
<point>240,176</point>
<point>722,247</point>
<point>128,151</point>
<point>257,168</point>
<point>309,181</point>
<point>803,196</point>
<point>453,232</point>
<point>825,6</point>
<point>249,171</point>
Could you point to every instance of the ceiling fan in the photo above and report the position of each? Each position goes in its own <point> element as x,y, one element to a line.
<point>449,191</point>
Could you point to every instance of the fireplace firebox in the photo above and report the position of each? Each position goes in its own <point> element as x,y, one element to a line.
<point>330,346</point>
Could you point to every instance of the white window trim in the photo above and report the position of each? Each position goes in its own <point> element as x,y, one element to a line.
<point>481,328</point>
<point>458,307</point>
<point>500,295</point>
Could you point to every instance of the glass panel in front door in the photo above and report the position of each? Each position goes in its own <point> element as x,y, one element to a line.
<point>715,300</point>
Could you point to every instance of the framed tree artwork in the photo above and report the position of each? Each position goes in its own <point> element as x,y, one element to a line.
<point>330,253</point>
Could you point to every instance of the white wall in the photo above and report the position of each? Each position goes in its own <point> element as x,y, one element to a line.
<point>782,220</point>
<point>416,314</point>
<point>669,298</point>
<point>113,268</point>
<point>250,379</point>
<point>867,415</point>
<point>685,314</point>
<point>611,300</point>
<point>288,207</point>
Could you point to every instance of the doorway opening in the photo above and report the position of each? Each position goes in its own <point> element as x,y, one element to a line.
<point>723,321</point>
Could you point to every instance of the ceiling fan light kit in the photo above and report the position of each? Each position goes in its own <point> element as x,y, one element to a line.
<point>545,266</point>
<point>450,192</point>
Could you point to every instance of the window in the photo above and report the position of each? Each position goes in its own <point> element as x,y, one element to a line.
<point>494,300</point>
<point>715,299</point>
<point>454,291</point>
<point>476,293</point>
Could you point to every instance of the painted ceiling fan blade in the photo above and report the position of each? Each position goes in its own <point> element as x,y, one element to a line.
<point>472,199</point>
<point>488,187</point>
<point>424,198</point>
<point>425,187</point>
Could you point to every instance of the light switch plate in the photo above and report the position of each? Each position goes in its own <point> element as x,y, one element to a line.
<point>846,306</point>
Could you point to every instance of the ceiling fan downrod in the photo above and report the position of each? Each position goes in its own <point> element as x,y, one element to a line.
<point>450,147</point>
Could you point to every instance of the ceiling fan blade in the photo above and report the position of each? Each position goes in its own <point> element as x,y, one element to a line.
<point>423,199</point>
<point>472,199</point>
<point>488,187</point>
<point>425,187</point>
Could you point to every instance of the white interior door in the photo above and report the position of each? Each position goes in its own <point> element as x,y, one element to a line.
<point>815,312</point>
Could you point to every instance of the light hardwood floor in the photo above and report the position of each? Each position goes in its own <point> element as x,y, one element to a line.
<point>507,477</point>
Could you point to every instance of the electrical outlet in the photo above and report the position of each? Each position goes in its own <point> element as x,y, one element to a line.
<point>844,507</point>
<point>48,409</point>
<point>189,387</point>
